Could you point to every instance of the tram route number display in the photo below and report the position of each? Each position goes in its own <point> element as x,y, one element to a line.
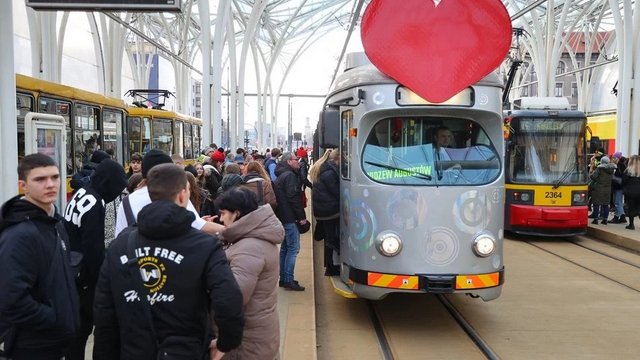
<point>552,195</point>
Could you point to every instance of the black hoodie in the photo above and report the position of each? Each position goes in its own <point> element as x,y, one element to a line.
<point>38,294</point>
<point>186,273</point>
<point>84,217</point>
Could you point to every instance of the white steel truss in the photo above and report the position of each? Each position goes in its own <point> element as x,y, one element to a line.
<point>273,34</point>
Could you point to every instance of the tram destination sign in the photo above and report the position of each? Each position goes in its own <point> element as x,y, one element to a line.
<point>106,5</point>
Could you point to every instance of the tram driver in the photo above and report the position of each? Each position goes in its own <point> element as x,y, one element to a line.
<point>442,138</point>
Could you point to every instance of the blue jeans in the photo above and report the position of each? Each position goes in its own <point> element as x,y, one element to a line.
<point>617,202</point>
<point>289,251</point>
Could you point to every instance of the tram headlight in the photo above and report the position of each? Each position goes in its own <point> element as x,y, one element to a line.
<point>484,245</point>
<point>521,196</point>
<point>388,243</point>
<point>579,198</point>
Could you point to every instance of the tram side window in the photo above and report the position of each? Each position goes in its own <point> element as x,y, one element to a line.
<point>62,108</point>
<point>146,135</point>
<point>112,132</point>
<point>86,134</point>
<point>178,135</point>
<point>188,142</point>
<point>430,151</point>
<point>162,135</point>
<point>345,161</point>
<point>196,139</point>
<point>133,130</point>
<point>24,104</point>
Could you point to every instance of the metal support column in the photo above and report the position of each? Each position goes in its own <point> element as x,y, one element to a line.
<point>224,12</point>
<point>205,25</point>
<point>8,126</point>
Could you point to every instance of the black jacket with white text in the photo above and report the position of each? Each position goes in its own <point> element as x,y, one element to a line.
<point>185,275</point>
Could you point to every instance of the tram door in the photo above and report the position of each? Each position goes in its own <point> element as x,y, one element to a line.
<point>45,134</point>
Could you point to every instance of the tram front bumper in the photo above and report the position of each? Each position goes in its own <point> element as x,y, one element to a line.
<point>548,217</point>
<point>430,283</point>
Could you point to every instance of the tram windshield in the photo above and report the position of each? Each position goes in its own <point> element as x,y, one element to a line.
<point>546,151</point>
<point>430,151</point>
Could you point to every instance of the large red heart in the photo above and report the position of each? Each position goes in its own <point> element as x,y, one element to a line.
<point>436,51</point>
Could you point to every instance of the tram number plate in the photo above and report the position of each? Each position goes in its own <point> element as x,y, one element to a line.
<point>552,195</point>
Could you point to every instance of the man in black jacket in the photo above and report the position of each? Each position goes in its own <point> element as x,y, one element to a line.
<point>85,223</point>
<point>290,211</point>
<point>161,280</point>
<point>39,298</point>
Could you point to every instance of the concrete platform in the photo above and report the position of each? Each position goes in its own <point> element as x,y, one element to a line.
<point>297,308</point>
<point>617,234</point>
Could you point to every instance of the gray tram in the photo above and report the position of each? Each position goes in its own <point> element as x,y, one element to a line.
<point>422,186</point>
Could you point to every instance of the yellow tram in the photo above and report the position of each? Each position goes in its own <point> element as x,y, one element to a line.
<point>94,121</point>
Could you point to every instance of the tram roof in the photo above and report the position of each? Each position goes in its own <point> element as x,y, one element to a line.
<point>159,113</point>
<point>64,91</point>
<point>370,75</point>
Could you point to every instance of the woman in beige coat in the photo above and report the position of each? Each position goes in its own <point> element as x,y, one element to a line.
<point>252,234</point>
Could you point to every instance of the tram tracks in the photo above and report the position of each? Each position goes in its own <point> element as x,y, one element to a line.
<point>604,264</point>
<point>383,334</point>
<point>482,345</point>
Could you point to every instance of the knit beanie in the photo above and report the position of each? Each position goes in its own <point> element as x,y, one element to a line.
<point>217,156</point>
<point>604,160</point>
<point>302,153</point>
<point>153,158</point>
<point>230,180</point>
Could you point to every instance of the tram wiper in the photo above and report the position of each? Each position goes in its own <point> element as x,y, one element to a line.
<point>412,172</point>
<point>563,178</point>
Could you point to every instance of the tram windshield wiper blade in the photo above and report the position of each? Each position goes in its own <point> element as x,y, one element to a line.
<point>563,178</point>
<point>389,167</point>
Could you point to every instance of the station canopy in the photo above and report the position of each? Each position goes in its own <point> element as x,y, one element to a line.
<point>305,21</point>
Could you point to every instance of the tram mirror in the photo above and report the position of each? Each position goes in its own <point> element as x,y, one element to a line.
<point>329,129</point>
<point>594,144</point>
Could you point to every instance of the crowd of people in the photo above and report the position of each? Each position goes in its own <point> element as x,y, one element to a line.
<point>614,183</point>
<point>165,260</point>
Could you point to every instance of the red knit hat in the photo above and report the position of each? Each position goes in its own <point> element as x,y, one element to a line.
<point>217,156</point>
<point>302,153</point>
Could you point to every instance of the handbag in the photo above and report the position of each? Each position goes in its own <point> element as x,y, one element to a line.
<point>303,228</point>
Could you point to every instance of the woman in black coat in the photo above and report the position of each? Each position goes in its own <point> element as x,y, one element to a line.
<point>326,206</point>
<point>631,189</point>
<point>601,190</point>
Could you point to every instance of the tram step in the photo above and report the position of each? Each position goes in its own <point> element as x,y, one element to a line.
<point>341,288</point>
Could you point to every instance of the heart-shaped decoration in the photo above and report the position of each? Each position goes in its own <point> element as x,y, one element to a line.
<point>436,49</point>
